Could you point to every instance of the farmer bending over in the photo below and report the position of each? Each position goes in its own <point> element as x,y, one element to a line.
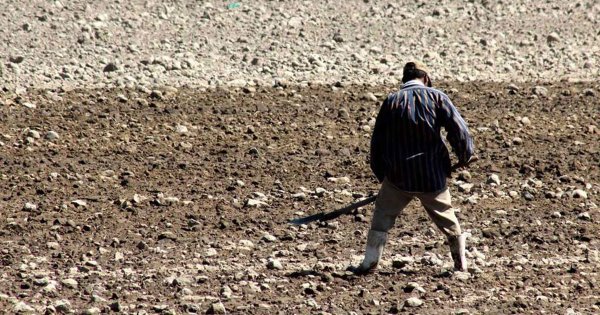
<point>410,159</point>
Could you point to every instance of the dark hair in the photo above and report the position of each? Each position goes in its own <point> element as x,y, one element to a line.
<point>411,72</point>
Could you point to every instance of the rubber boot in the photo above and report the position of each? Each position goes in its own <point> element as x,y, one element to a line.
<point>457,251</point>
<point>375,242</point>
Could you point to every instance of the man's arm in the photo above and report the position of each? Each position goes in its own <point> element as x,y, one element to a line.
<point>458,132</point>
<point>377,143</point>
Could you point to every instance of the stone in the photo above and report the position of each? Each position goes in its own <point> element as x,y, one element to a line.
<point>517,141</point>
<point>16,59</point>
<point>274,264</point>
<point>217,308</point>
<point>29,207</point>
<point>540,91</point>
<point>92,311</point>
<point>553,37</point>
<point>34,134</point>
<point>63,306</point>
<point>370,97</point>
<point>401,262</point>
<point>269,238</point>
<point>464,175</point>
<point>110,67</point>
<point>299,196</point>
<point>494,179</point>
<point>22,307</point>
<point>255,203</point>
<point>52,135</point>
<point>70,283</point>
<point>580,193</point>
<point>79,203</point>
<point>584,216</point>
<point>413,302</point>
<point>465,187</point>
<point>589,92</point>
<point>226,292</point>
<point>181,129</point>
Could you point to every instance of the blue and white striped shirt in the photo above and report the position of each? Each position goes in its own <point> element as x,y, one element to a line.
<point>407,147</point>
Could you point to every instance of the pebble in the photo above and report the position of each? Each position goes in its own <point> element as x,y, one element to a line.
<point>63,306</point>
<point>556,215</point>
<point>30,207</point>
<point>70,283</point>
<point>255,203</point>
<point>553,37</point>
<point>584,216</point>
<point>540,91</point>
<point>181,129</point>
<point>370,97</point>
<point>92,311</point>
<point>79,203</point>
<point>413,302</point>
<point>299,196</point>
<point>466,187</point>
<point>22,307</point>
<point>34,134</point>
<point>464,175</point>
<point>217,308</point>
<point>580,193</point>
<point>494,179</point>
<point>274,264</point>
<point>110,67</point>
<point>517,141</point>
<point>269,238</point>
<point>52,135</point>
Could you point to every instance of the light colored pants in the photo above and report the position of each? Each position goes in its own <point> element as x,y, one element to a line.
<point>391,201</point>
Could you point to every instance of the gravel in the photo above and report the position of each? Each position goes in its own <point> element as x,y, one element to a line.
<point>84,44</point>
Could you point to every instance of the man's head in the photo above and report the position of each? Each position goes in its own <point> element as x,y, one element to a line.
<point>416,70</point>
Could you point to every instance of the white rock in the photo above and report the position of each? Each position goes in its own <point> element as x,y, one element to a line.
<point>29,207</point>
<point>269,238</point>
<point>34,134</point>
<point>255,203</point>
<point>413,302</point>
<point>274,264</point>
<point>210,252</point>
<point>52,135</point>
<point>181,129</point>
<point>217,308</point>
<point>22,307</point>
<point>580,193</point>
<point>70,283</point>
<point>92,311</point>
<point>79,203</point>
<point>494,179</point>
<point>584,216</point>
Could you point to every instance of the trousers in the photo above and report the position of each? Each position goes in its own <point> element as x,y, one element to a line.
<point>391,201</point>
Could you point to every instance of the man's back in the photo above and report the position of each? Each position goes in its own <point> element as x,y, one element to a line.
<point>407,147</point>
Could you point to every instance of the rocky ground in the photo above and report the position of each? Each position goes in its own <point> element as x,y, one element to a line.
<point>73,44</point>
<point>152,153</point>
<point>177,202</point>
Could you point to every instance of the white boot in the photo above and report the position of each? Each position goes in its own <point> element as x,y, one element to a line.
<point>457,251</point>
<point>375,242</point>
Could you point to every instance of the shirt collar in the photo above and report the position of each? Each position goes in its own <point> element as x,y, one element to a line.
<point>413,83</point>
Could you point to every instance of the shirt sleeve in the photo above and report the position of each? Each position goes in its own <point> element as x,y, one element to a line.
<point>377,143</point>
<point>458,132</point>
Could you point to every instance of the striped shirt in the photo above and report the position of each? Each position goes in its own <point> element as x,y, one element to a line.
<point>407,147</point>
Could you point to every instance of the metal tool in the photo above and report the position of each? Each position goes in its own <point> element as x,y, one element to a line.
<point>326,216</point>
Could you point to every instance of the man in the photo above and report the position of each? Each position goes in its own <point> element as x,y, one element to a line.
<point>410,159</point>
